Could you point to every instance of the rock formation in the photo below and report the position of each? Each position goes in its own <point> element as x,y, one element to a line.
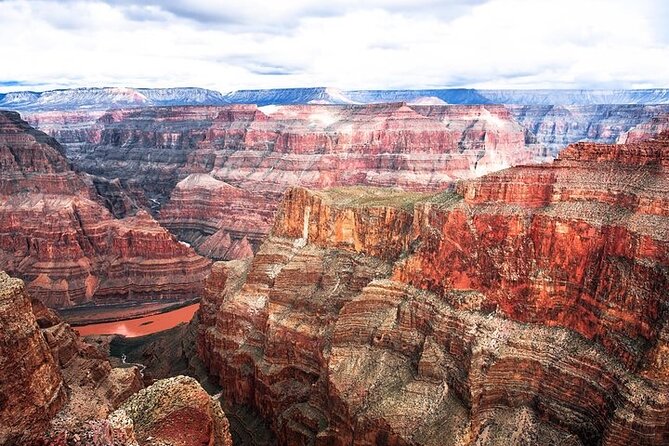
<point>116,97</point>
<point>57,389</point>
<point>57,234</point>
<point>556,126</point>
<point>31,385</point>
<point>50,379</point>
<point>222,170</point>
<point>217,174</point>
<point>646,130</point>
<point>107,97</point>
<point>526,307</point>
<point>173,412</point>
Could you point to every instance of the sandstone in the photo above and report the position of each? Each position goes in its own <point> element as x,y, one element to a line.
<point>262,151</point>
<point>52,381</point>
<point>556,126</point>
<point>31,385</point>
<point>220,172</point>
<point>524,307</point>
<point>173,412</point>
<point>58,235</point>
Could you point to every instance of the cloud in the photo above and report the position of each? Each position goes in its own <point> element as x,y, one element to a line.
<point>342,43</point>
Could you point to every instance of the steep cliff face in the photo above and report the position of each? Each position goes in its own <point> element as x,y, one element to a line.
<point>57,234</point>
<point>208,166</point>
<point>31,385</point>
<point>250,155</point>
<point>646,130</point>
<point>51,379</point>
<point>527,307</point>
<point>57,389</point>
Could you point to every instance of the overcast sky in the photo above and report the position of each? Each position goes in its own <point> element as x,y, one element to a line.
<point>349,44</point>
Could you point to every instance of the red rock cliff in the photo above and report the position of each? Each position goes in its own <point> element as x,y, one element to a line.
<point>235,162</point>
<point>31,385</point>
<point>56,234</point>
<point>528,307</point>
<point>55,389</point>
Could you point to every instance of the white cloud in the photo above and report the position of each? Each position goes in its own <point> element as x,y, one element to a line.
<point>347,44</point>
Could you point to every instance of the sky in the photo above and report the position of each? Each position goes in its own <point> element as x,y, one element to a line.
<point>349,44</point>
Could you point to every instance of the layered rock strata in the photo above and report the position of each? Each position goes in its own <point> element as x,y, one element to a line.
<point>57,389</point>
<point>51,379</point>
<point>526,307</point>
<point>31,385</point>
<point>647,130</point>
<point>57,234</point>
<point>244,157</point>
<point>222,170</point>
<point>556,126</point>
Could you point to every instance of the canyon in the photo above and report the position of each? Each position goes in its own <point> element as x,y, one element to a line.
<point>400,273</point>
<point>527,306</point>
<point>57,389</point>
<point>214,175</point>
<point>58,235</point>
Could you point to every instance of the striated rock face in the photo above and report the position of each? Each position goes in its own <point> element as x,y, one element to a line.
<point>217,174</point>
<point>57,389</point>
<point>527,307</point>
<point>31,385</point>
<point>57,234</point>
<point>646,130</point>
<point>581,243</point>
<point>220,172</point>
<point>173,412</point>
<point>51,379</point>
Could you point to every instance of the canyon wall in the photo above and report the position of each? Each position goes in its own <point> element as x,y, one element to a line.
<point>556,126</point>
<point>31,385</point>
<point>214,175</point>
<point>57,234</point>
<point>51,381</point>
<point>528,306</point>
<point>57,389</point>
<point>218,173</point>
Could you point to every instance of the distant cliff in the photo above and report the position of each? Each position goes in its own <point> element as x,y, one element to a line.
<point>118,97</point>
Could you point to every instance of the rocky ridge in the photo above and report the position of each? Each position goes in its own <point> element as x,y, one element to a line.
<point>106,98</point>
<point>371,316</point>
<point>116,97</point>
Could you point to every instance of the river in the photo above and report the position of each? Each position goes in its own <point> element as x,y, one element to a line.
<point>141,326</point>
